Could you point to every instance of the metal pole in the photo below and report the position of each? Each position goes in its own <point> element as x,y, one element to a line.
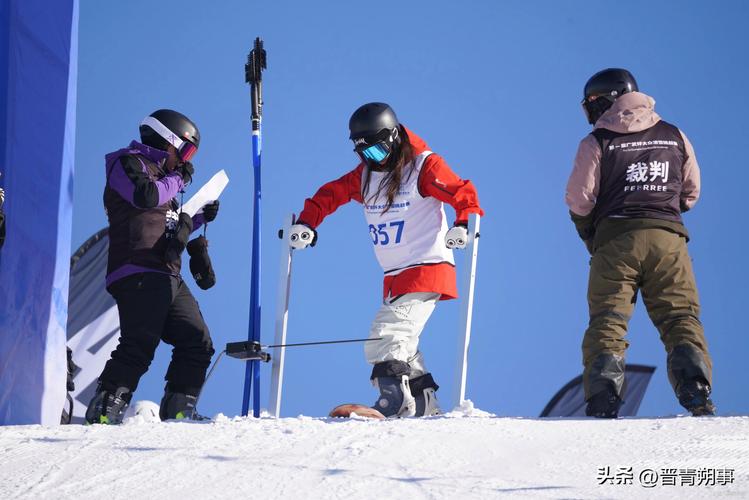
<point>282,316</point>
<point>466,310</point>
<point>256,62</point>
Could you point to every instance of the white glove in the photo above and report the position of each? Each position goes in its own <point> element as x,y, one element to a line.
<point>456,237</point>
<point>301,236</point>
<point>2,197</point>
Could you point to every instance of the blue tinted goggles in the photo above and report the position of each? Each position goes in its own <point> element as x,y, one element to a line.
<point>376,153</point>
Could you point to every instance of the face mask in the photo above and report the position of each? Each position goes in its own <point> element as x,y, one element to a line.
<point>595,108</point>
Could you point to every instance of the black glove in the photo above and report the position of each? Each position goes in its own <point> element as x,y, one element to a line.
<point>177,242</point>
<point>584,225</point>
<point>185,171</point>
<point>210,211</point>
<point>200,263</point>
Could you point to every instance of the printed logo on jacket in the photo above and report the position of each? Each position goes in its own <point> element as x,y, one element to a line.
<point>640,173</point>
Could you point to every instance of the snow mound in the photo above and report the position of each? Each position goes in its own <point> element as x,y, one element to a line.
<point>466,453</point>
<point>142,412</point>
<point>468,410</point>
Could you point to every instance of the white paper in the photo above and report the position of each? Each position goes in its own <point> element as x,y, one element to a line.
<point>210,191</point>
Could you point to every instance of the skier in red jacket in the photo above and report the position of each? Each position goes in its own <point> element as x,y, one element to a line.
<point>402,187</point>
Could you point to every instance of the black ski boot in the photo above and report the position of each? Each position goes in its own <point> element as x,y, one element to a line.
<point>688,372</point>
<point>603,377</point>
<point>108,406</point>
<point>604,404</point>
<point>395,400</point>
<point>179,406</point>
<point>694,395</point>
<point>423,389</point>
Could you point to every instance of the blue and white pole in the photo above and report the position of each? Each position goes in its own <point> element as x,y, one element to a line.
<point>256,63</point>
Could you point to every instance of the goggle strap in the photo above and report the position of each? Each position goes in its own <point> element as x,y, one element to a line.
<point>164,132</point>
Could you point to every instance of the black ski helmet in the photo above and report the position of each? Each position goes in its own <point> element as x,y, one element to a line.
<point>375,131</point>
<point>166,126</point>
<point>371,119</point>
<point>607,86</point>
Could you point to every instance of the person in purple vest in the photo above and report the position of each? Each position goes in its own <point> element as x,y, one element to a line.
<point>147,234</point>
<point>633,177</point>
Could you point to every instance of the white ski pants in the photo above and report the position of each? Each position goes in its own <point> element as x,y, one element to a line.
<point>398,324</point>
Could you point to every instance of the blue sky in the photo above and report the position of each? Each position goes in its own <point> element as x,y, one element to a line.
<point>494,87</point>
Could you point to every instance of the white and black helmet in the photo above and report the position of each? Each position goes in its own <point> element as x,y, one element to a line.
<point>165,126</point>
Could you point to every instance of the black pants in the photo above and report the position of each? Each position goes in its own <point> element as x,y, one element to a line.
<point>155,307</point>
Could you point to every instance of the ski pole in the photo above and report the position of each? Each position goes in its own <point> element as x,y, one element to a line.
<point>466,313</point>
<point>282,319</point>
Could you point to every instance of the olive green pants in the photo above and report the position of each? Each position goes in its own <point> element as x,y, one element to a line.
<point>655,262</point>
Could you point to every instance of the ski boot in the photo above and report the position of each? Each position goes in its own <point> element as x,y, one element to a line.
<point>603,377</point>
<point>395,397</point>
<point>391,378</point>
<point>689,372</point>
<point>179,406</point>
<point>423,389</point>
<point>108,406</point>
<point>604,404</point>
<point>694,395</point>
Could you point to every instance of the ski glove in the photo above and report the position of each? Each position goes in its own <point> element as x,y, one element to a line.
<point>456,237</point>
<point>210,211</point>
<point>200,263</point>
<point>185,171</point>
<point>301,236</point>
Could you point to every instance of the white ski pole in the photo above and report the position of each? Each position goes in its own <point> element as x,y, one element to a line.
<point>466,310</point>
<point>282,316</point>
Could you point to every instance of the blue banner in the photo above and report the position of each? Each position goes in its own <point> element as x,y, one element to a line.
<point>38,68</point>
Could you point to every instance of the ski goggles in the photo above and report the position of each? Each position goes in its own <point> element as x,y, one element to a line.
<point>375,148</point>
<point>185,149</point>
<point>376,153</point>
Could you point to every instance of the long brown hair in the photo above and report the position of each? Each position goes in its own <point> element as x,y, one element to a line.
<point>397,166</point>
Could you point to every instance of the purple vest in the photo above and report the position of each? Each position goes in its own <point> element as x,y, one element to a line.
<point>641,173</point>
<point>139,236</point>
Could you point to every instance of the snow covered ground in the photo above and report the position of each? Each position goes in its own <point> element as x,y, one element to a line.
<point>467,454</point>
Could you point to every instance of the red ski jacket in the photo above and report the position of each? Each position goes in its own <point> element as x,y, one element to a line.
<point>436,180</point>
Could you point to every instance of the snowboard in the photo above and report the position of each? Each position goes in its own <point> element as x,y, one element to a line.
<point>345,411</point>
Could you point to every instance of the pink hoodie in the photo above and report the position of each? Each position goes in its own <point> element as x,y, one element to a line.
<point>632,112</point>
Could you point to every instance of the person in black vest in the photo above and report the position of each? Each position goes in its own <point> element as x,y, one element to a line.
<point>633,177</point>
<point>147,234</point>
